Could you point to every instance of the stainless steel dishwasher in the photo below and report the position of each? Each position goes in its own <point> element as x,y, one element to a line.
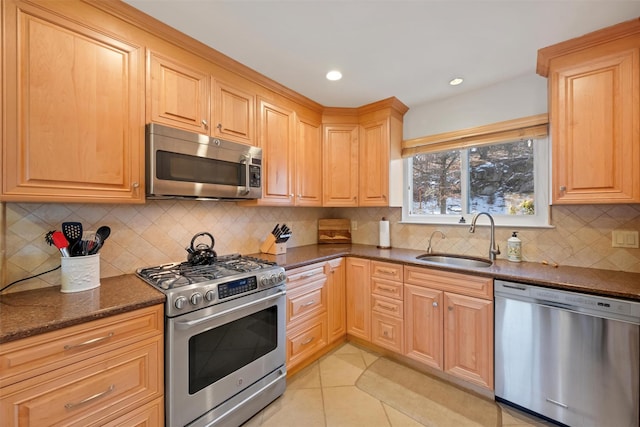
<point>571,357</point>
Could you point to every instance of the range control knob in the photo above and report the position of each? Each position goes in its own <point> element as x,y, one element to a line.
<point>264,281</point>
<point>210,295</point>
<point>196,298</point>
<point>282,277</point>
<point>180,303</point>
<point>274,279</point>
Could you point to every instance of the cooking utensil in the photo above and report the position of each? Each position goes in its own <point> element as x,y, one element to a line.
<point>101,235</point>
<point>72,231</point>
<point>202,253</point>
<point>61,243</point>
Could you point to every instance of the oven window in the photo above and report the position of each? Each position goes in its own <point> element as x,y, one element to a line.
<point>182,167</point>
<point>216,353</point>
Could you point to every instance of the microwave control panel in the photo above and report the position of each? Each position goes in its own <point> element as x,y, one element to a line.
<point>254,176</point>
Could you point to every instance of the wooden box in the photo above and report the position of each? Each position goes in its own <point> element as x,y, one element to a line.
<point>334,231</point>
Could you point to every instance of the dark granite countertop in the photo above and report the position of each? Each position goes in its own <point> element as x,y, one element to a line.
<point>588,280</point>
<point>23,314</point>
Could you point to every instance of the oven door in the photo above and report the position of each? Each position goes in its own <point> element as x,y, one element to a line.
<point>214,353</point>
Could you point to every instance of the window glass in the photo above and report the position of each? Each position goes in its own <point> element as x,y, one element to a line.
<point>501,179</point>
<point>509,180</point>
<point>436,183</point>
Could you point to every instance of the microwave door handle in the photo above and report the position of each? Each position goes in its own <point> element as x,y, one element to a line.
<point>186,324</point>
<point>246,159</point>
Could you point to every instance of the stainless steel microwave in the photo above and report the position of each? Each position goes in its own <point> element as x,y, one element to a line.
<point>187,164</point>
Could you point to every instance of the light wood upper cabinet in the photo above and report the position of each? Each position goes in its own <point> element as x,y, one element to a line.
<point>594,105</point>
<point>233,113</point>
<point>276,138</point>
<point>308,163</point>
<point>373,181</point>
<point>178,94</point>
<point>340,171</point>
<point>74,117</point>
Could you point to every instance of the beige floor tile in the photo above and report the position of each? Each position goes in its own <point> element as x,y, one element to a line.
<point>369,357</point>
<point>346,349</point>
<point>341,369</point>
<point>512,417</point>
<point>296,408</point>
<point>309,377</point>
<point>398,419</point>
<point>351,407</point>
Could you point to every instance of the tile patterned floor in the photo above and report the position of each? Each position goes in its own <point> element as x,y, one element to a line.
<point>325,395</point>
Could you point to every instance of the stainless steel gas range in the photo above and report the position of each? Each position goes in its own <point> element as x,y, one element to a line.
<point>224,338</point>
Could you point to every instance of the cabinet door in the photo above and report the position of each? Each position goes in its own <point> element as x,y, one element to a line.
<point>308,165</point>
<point>595,117</point>
<point>423,325</point>
<point>373,164</point>
<point>74,117</point>
<point>233,113</point>
<point>340,165</point>
<point>468,324</point>
<point>277,130</point>
<point>336,295</point>
<point>178,94</point>
<point>359,298</point>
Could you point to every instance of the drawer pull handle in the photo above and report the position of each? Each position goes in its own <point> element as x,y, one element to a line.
<point>388,307</point>
<point>307,341</point>
<point>307,304</point>
<point>555,402</point>
<point>91,398</point>
<point>92,341</point>
<point>305,275</point>
<point>386,288</point>
<point>387,271</point>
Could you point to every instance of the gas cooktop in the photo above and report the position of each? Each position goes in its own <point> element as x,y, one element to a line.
<point>190,287</point>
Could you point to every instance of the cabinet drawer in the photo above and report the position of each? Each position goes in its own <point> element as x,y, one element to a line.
<point>306,301</point>
<point>387,288</point>
<point>101,389</point>
<point>386,270</point>
<point>149,415</point>
<point>305,340</point>
<point>36,355</point>
<point>387,306</point>
<point>300,276</point>
<point>475,286</point>
<point>387,332</point>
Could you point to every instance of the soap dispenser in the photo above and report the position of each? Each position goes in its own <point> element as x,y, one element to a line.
<point>514,248</point>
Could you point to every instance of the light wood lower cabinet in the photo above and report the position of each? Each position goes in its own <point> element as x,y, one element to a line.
<point>336,295</point>
<point>387,306</point>
<point>99,373</point>
<point>449,323</point>
<point>306,313</point>
<point>359,298</point>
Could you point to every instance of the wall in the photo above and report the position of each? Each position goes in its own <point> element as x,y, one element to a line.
<point>522,96</point>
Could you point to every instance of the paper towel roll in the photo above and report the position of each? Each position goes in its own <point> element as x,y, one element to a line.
<point>385,239</point>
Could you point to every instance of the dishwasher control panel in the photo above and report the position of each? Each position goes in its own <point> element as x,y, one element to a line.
<point>584,303</point>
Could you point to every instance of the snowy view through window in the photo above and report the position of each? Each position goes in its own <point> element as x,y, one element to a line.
<point>499,177</point>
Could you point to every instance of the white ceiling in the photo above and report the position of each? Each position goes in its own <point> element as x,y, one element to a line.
<point>406,49</point>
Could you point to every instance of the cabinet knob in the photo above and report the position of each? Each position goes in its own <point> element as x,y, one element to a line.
<point>204,123</point>
<point>563,188</point>
<point>450,308</point>
<point>299,196</point>
<point>219,126</point>
<point>435,304</point>
<point>135,185</point>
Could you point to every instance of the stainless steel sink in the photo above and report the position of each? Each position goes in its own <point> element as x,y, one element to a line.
<point>455,260</point>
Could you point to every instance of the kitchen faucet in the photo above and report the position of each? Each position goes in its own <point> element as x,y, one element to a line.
<point>431,237</point>
<point>493,248</point>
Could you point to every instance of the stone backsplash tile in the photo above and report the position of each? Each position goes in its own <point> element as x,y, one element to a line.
<point>158,232</point>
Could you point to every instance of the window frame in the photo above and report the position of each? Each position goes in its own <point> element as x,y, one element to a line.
<point>541,171</point>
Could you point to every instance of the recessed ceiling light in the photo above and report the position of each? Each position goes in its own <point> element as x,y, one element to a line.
<point>456,81</point>
<point>334,75</point>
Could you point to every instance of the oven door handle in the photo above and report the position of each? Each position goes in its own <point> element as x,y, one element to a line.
<point>246,159</point>
<point>186,324</point>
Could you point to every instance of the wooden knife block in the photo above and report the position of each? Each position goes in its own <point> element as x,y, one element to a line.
<point>269,246</point>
